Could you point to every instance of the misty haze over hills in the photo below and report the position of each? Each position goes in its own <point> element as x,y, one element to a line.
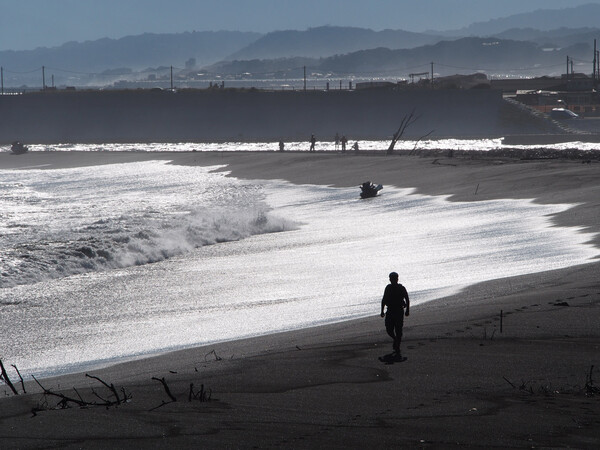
<point>544,19</point>
<point>535,43</point>
<point>327,41</point>
<point>136,52</point>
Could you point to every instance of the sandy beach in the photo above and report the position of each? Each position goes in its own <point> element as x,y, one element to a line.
<point>507,363</point>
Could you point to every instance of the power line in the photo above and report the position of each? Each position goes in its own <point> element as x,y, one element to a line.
<point>26,72</point>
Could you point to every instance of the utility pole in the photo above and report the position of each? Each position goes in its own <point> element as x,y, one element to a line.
<point>598,64</point>
<point>2,78</point>
<point>431,74</point>
<point>304,78</point>
<point>171,78</point>
<point>568,59</point>
<point>594,71</point>
<point>43,78</point>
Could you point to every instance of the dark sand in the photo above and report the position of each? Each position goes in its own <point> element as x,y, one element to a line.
<point>465,383</point>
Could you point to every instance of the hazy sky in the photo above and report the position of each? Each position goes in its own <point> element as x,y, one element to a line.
<point>27,24</point>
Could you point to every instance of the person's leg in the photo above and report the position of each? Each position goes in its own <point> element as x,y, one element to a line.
<point>390,326</point>
<point>398,333</point>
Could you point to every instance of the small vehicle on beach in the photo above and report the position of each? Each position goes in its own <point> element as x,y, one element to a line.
<point>563,114</point>
<point>18,148</point>
<point>368,189</point>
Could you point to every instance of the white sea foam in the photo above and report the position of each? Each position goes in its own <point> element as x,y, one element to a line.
<point>324,143</point>
<point>331,266</point>
<point>64,222</point>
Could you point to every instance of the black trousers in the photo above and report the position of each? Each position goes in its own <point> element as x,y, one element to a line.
<point>393,326</point>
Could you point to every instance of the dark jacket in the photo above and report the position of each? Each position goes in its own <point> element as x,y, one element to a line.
<point>395,298</point>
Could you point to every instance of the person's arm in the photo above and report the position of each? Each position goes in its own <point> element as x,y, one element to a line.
<point>383,303</point>
<point>407,303</point>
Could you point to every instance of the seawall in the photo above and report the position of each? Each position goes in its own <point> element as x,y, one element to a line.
<point>247,115</point>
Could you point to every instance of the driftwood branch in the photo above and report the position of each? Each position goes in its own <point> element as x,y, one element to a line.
<point>65,400</point>
<point>4,376</point>
<point>419,140</point>
<point>214,353</point>
<point>160,406</point>
<point>111,387</point>
<point>20,378</point>
<point>166,387</point>
<point>202,395</point>
<point>590,388</point>
<point>78,394</point>
<point>508,381</point>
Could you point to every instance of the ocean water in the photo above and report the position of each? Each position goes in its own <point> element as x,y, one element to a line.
<point>99,264</point>
<point>324,143</point>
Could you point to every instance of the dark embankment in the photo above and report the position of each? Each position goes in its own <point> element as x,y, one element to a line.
<point>249,115</point>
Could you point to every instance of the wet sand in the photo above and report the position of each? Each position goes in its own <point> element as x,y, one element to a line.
<point>505,363</point>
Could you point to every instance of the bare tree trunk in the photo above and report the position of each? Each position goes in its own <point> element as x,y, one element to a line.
<point>404,124</point>
<point>4,376</point>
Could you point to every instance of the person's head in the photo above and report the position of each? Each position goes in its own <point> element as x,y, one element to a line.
<point>394,277</point>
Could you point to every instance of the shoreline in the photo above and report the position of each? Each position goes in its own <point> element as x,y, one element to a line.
<point>324,386</point>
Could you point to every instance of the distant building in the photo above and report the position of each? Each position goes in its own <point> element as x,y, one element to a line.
<point>583,102</point>
<point>473,81</point>
<point>512,85</point>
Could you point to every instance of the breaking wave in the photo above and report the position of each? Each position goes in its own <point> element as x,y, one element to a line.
<point>108,245</point>
<point>64,222</point>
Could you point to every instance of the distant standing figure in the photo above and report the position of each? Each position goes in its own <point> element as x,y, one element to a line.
<point>312,143</point>
<point>281,146</point>
<point>344,142</point>
<point>337,141</point>
<point>355,147</point>
<point>395,297</point>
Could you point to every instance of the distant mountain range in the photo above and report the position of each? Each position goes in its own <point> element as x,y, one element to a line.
<point>327,41</point>
<point>543,19</point>
<point>539,39</point>
<point>136,52</point>
<point>559,38</point>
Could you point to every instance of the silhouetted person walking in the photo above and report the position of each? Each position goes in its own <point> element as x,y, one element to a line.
<point>396,299</point>
<point>312,143</point>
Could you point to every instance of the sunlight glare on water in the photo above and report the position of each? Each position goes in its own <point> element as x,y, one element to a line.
<point>324,143</point>
<point>285,257</point>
